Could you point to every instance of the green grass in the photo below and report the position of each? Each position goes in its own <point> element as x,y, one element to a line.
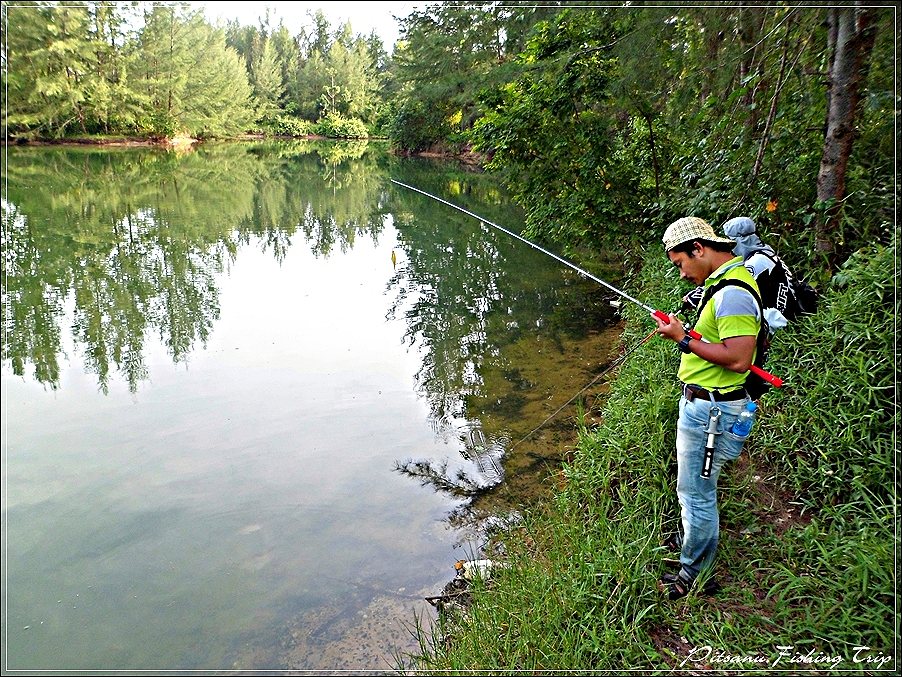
<point>808,515</point>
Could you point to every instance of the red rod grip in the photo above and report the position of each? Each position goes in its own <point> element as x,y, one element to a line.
<point>775,381</point>
<point>661,315</point>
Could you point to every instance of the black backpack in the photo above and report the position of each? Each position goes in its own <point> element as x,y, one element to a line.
<point>782,290</point>
<point>755,386</point>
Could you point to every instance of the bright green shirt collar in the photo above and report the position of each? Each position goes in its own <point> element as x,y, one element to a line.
<point>723,270</point>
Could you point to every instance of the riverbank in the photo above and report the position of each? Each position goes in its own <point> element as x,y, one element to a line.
<point>808,535</point>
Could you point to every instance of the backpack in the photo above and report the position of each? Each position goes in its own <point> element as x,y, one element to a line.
<point>782,290</point>
<point>755,386</point>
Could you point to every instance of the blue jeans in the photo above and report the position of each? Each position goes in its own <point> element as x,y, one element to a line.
<point>697,495</point>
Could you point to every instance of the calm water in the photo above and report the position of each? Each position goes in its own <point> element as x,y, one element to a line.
<point>257,400</point>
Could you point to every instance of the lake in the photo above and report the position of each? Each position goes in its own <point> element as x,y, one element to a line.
<point>258,399</point>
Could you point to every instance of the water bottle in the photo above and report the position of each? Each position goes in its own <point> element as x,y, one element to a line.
<point>743,425</point>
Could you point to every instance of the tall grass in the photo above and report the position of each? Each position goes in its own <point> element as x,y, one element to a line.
<point>809,517</point>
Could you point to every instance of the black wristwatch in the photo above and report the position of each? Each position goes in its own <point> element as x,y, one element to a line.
<point>684,344</point>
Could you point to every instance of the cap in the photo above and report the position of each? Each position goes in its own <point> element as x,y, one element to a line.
<point>690,228</point>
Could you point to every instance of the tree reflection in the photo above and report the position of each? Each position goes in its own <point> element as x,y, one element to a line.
<point>483,307</point>
<point>133,241</point>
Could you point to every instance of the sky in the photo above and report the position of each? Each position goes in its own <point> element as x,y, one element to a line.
<point>364,16</point>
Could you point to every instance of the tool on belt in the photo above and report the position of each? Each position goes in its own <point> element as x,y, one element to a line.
<point>712,432</point>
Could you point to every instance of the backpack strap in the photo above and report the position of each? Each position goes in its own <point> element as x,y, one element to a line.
<point>714,288</point>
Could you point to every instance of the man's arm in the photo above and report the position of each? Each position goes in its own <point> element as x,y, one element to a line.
<point>735,353</point>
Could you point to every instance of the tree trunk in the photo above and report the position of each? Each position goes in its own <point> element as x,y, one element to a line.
<point>654,155</point>
<point>852,32</point>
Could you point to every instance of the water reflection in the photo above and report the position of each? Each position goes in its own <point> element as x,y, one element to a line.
<point>135,239</point>
<point>130,243</point>
<point>114,255</point>
<point>504,330</point>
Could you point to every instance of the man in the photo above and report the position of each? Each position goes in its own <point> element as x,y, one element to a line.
<point>712,372</point>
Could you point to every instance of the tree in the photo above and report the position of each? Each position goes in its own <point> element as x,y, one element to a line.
<point>195,82</point>
<point>353,81</point>
<point>288,54</point>
<point>449,54</point>
<point>266,79</point>
<point>65,69</point>
<point>555,131</point>
<point>851,35</point>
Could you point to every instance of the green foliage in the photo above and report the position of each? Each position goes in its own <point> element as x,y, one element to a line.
<point>266,79</point>
<point>845,381</point>
<point>335,126</point>
<point>575,169</point>
<point>98,68</point>
<point>449,55</point>
<point>415,126</point>
<point>615,123</point>
<point>157,124</point>
<point>285,125</point>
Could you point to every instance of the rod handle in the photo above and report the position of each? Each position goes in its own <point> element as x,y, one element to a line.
<point>775,381</point>
<point>661,315</point>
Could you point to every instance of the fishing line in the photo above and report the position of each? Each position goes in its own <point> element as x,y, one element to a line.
<point>660,315</point>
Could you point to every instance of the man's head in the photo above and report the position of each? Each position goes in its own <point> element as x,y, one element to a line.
<point>694,248</point>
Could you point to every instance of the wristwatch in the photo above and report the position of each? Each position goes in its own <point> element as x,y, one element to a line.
<point>683,345</point>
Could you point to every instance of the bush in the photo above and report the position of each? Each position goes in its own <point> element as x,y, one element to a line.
<point>284,125</point>
<point>415,126</point>
<point>335,126</point>
<point>835,417</point>
<point>159,124</point>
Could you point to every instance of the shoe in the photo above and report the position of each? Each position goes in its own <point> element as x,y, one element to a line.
<point>675,587</point>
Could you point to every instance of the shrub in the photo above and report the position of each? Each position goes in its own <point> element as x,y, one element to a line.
<point>335,126</point>
<point>284,125</point>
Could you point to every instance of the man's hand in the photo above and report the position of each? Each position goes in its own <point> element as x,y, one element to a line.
<point>673,330</point>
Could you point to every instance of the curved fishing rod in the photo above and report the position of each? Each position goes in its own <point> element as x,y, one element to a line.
<point>660,314</point>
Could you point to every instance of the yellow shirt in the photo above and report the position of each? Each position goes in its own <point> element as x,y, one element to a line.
<point>731,311</point>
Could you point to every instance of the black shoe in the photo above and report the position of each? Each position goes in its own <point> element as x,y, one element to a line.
<point>674,586</point>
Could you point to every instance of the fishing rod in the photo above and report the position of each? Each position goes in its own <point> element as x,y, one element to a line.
<point>660,314</point>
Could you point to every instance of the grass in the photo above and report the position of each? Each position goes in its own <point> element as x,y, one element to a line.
<point>808,513</point>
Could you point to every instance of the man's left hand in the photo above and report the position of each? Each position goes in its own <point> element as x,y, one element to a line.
<point>673,330</point>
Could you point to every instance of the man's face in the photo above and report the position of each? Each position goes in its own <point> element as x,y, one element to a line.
<point>691,268</point>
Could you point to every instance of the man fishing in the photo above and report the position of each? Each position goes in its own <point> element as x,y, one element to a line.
<point>713,373</point>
